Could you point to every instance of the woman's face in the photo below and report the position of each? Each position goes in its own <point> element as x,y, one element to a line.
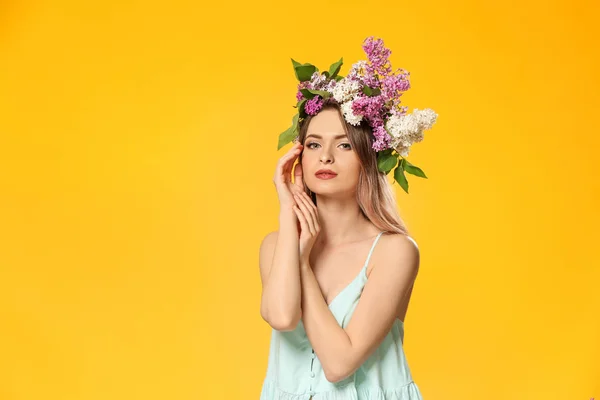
<point>326,146</point>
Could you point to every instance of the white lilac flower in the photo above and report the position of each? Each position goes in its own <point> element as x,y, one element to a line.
<point>358,70</point>
<point>402,149</point>
<point>345,90</point>
<point>408,129</point>
<point>330,85</point>
<point>317,80</point>
<point>349,116</point>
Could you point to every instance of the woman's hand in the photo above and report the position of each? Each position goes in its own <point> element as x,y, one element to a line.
<point>283,177</point>
<point>307,214</point>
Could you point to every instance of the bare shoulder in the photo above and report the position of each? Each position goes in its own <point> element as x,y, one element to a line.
<point>398,241</point>
<point>398,250</point>
<point>266,252</point>
<point>270,238</point>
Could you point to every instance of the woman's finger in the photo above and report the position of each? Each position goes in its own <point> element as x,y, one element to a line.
<point>300,215</point>
<point>303,207</point>
<point>308,212</point>
<point>298,176</point>
<point>314,212</point>
<point>310,202</point>
<point>285,162</point>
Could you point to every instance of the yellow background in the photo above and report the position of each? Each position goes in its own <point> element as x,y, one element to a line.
<point>137,149</point>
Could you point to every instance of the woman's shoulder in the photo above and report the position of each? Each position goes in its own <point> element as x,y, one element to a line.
<point>269,240</point>
<point>394,242</point>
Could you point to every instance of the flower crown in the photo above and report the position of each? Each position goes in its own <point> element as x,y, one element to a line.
<point>369,92</point>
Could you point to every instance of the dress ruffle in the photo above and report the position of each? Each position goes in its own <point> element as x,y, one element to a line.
<point>410,391</point>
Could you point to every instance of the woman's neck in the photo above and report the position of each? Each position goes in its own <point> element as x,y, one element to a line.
<point>342,221</point>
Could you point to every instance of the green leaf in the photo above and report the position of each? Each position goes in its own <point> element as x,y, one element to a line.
<point>414,170</point>
<point>386,161</point>
<point>370,91</point>
<point>301,112</point>
<point>323,93</point>
<point>307,93</point>
<point>326,74</point>
<point>310,93</point>
<point>303,71</point>
<point>285,137</point>
<point>289,134</point>
<point>295,123</point>
<point>335,67</point>
<point>338,78</point>
<point>400,177</point>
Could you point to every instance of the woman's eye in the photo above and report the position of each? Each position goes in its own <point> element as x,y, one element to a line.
<point>343,144</point>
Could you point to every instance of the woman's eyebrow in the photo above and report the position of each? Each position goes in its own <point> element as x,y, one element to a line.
<point>321,137</point>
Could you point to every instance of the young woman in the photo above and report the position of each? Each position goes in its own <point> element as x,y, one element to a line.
<point>337,276</point>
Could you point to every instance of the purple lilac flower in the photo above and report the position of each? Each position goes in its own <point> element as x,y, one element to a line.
<point>378,56</point>
<point>373,110</point>
<point>312,106</point>
<point>382,138</point>
<point>368,107</point>
<point>302,85</point>
<point>393,86</point>
<point>399,111</point>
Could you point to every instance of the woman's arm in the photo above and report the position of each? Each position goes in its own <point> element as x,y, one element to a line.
<point>280,274</point>
<point>341,351</point>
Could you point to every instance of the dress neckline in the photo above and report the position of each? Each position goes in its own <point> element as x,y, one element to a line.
<point>362,272</point>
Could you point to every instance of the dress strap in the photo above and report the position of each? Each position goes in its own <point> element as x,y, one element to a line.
<point>372,248</point>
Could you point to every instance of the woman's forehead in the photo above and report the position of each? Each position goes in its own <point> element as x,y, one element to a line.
<point>326,123</point>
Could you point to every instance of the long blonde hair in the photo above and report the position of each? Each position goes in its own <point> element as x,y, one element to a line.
<point>374,194</point>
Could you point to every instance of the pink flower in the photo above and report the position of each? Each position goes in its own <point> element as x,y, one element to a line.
<point>382,138</point>
<point>374,111</point>
<point>314,105</point>
<point>371,108</point>
<point>378,56</point>
<point>394,85</point>
<point>302,85</point>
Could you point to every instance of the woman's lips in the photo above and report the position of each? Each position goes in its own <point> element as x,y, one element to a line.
<point>325,175</point>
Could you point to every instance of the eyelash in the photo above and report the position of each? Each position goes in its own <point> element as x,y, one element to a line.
<point>311,143</point>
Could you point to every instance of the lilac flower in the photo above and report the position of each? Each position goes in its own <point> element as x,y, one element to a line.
<point>378,56</point>
<point>357,71</point>
<point>313,105</point>
<point>317,81</point>
<point>394,85</point>
<point>302,85</point>
<point>374,111</point>
<point>377,53</point>
<point>380,107</point>
<point>369,107</point>
<point>331,85</point>
<point>382,138</point>
<point>349,115</point>
<point>399,111</point>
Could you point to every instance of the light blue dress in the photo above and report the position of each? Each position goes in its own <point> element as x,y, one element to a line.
<point>295,373</point>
